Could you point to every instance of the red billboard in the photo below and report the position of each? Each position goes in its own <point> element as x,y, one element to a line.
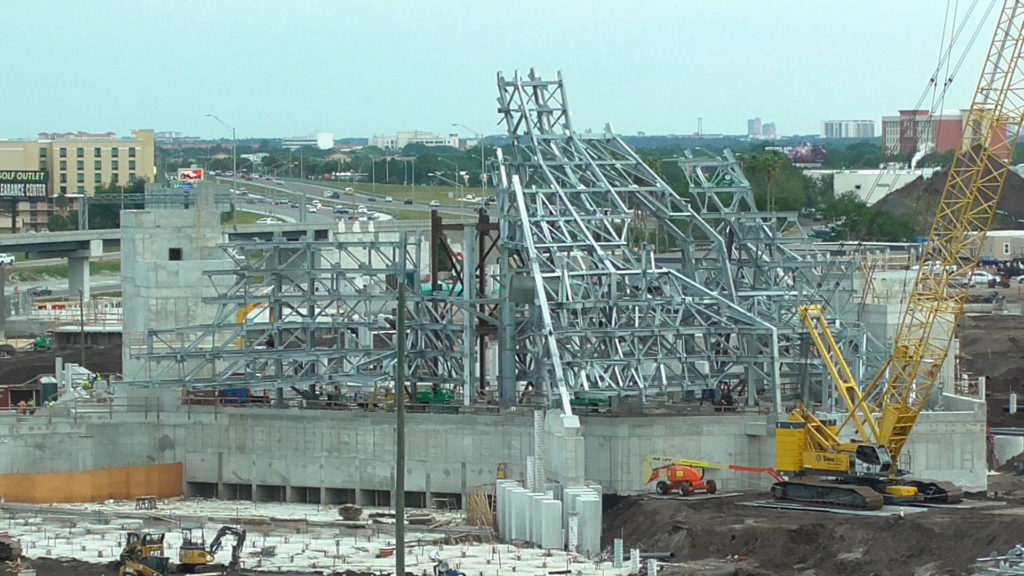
<point>190,174</point>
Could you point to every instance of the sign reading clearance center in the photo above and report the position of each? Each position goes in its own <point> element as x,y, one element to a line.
<point>23,184</point>
<point>190,174</point>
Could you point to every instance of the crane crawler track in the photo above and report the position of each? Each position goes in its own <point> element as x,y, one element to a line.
<point>828,494</point>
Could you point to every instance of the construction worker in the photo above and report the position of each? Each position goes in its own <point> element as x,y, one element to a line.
<point>21,407</point>
<point>31,406</point>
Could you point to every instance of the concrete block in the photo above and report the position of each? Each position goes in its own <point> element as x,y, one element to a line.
<point>537,517</point>
<point>551,526</point>
<point>590,525</point>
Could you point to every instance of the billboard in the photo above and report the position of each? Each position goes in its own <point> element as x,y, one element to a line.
<point>23,184</point>
<point>190,174</point>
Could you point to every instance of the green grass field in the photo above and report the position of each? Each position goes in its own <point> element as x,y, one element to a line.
<point>242,216</point>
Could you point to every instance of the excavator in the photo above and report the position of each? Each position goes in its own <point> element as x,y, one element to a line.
<point>864,473</point>
<point>194,554</point>
<point>143,555</point>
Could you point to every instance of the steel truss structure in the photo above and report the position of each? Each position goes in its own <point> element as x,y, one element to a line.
<point>603,314</point>
<point>565,287</point>
<point>293,314</point>
<point>773,267</point>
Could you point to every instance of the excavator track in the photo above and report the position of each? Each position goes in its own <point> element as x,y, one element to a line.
<point>828,494</point>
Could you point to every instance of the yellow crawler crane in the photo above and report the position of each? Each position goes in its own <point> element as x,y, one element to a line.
<point>863,474</point>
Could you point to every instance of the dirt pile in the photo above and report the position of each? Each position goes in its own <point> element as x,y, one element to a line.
<point>27,365</point>
<point>992,345</point>
<point>784,542</point>
<point>922,196</point>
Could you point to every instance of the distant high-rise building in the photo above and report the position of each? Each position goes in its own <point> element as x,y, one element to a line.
<point>768,131</point>
<point>848,129</point>
<point>754,128</point>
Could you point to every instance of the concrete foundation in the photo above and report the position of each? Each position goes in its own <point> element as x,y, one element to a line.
<point>252,452</point>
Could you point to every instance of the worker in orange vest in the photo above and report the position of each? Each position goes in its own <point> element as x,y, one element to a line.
<point>21,407</point>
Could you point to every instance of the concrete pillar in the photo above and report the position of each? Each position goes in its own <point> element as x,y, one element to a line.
<point>981,387</point>
<point>426,489</point>
<point>590,525</point>
<point>551,527</point>
<point>78,277</point>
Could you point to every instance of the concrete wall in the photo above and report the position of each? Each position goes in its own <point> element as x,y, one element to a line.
<point>354,450</point>
<point>305,455</point>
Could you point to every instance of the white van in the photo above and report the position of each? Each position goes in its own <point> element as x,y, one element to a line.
<point>361,209</point>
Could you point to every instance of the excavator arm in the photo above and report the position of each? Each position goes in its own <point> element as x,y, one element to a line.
<point>236,549</point>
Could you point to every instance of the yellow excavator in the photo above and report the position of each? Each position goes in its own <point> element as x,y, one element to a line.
<point>193,553</point>
<point>864,473</point>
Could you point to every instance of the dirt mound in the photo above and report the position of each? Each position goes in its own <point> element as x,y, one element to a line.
<point>992,345</point>
<point>27,365</point>
<point>787,542</point>
<point>920,198</point>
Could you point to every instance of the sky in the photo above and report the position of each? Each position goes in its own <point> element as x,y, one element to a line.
<point>363,68</point>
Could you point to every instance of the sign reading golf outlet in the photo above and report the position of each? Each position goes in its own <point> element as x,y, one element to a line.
<point>23,184</point>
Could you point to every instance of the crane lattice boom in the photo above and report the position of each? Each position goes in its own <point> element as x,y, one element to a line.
<point>964,216</point>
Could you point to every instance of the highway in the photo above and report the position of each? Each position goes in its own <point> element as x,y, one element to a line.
<point>306,192</point>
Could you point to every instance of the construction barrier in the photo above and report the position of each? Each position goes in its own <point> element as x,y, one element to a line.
<point>161,481</point>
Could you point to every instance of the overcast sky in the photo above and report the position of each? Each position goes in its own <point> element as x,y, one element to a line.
<point>359,68</point>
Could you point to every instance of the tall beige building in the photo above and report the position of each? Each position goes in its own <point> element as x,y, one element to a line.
<point>77,163</point>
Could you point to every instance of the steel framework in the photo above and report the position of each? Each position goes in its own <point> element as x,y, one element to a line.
<point>602,314</point>
<point>293,313</point>
<point>566,286</point>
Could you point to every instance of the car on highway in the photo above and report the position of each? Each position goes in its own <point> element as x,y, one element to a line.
<point>371,198</point>
<point>312,208</point>
<point>341,210</point>
<point>982,278</point>
<point>293,204</point>
<point>407,201</point>
<point>268,221</point>
<point>388,199</point>
<point>6,259</point>
<point>435,203</point>
<point>40,291</point>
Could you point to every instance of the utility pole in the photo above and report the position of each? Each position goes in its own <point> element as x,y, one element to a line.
<point>81,323</point>
<point>480,143</point>
<point>234,165</point>
<point>400,421</point>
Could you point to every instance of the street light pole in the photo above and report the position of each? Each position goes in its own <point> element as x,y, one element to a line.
<point>480,143</point>
<point>234,164</point>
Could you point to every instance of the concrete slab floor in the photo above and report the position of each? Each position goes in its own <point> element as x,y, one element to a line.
<point>304,537</point>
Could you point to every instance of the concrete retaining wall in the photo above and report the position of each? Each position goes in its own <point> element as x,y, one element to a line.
<point>348,456</point>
